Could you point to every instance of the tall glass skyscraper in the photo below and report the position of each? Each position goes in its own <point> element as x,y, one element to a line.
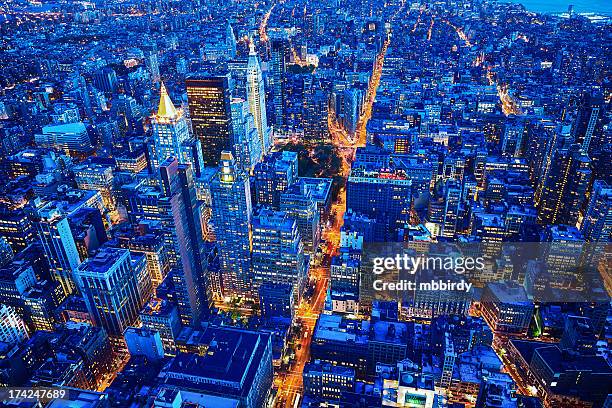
<point>232,212</point>
<point>298,202</point>
<point>151,61</point>
<point>59,246</point>
<point>279,51</point>
<point>597,222</point>
<point>211,115</point>
<point>182,218</point>
<point>256,96</point>
<point>230,40</point>
<point>564,186</point>
<point>175,207</point>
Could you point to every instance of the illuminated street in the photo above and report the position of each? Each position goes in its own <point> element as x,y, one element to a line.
<point>289,385</point>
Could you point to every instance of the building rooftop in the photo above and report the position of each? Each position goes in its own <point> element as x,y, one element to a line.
<point>229,365</point>
<point>104,261</point>
<point>387,332</point>
<point>508,292</point>
<point>319,187</point>
<point>560,361</point>
<point>157,307</point>
<point>337,328</point>
<point>77,127</point>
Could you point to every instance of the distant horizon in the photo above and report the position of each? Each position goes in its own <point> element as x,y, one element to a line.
<point>556,6</point>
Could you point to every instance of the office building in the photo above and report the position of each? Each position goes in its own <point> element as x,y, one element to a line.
<point>12,327</point>
<point>298,203</point>
<point>564,187</point>
<point>256,97</point>
<point>280,54</point>
<point>41,301</point>
<point>321,191</point>
<point>161,316</point>
<point>70,138</point>
<point>151,61</point>
<point>235,369</point>
<point>326,381</point>
<point>565,378</point>
<point>506,308</point>
<point>587,129</point>
<point>189,274</point>
<point>105,80</point>
<point>96,177</point>
<point>246,143</point>
<point>15,279</point>
<point>231,216</point>
<point>211,115</point>
<point>331,335</point>
<point>276,300</point>
<point>384,196</point>
<point>278,253</point>
<point>171,136</point>
<point>151,245</point>
<point>109,286</point>
<point>315,108</point>
<point>344,274</point>
<point>272,177</point>
<point>144,342</point>
<point>230,40</point>
<point>16,228</point>
<point>596,224</point>
<point>59,245</point>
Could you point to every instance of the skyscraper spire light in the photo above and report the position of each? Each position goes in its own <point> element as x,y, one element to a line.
<point>166,108</point>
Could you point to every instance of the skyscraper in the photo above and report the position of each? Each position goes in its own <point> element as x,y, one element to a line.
<point>151,61</point>
<point>12,328</point>
<point>564,186</point>
<point>279,51</point>
<point>110,289</point>
<point>151,245</point>
<point>382,195</point>
<point>513,138</point>
<point>256,95</point>
<point>315,111</point>
<point>16,228</point>
<point>352,100</point>
<point>175,207</point>
<point>246,142</point>
<point>105,80</point>
<point>597,222</point>
<point>451,213</point>
<point>189,274</point>
<point>232,212</point>
<point>297,201</point>
<point>278,253</point>
<point>211,115</point>
<point>59,245</point>
<point>272,176</point>
<point>230,40</point>
<point>587,123</point>
<point>171,135</point>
